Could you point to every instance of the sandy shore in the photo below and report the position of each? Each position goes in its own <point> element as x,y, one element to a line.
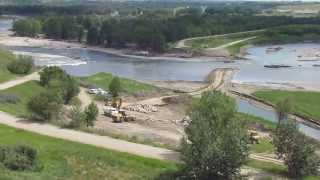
<point>7,40</point>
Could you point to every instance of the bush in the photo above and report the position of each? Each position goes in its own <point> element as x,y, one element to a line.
<point>77,117</point>
<point>21,65</point>
<point>91,114</point>
<point>57,79</point>
<point>18,158</point>
<point>115,87</point>
<point>45,106</point>
<point>9,98</point>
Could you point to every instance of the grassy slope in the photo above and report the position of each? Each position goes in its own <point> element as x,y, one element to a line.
<point>67,160</point>
<point>5,58</point>
<point>129,86</point>
<point>305,103</point>
<point>24,91</point>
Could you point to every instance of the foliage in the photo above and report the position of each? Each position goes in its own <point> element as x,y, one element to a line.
<point>24,92</point>
<point>45,106</point>
<point>294,148</point>
<point>9,98</point>
<point>115,87</point>
<point>283,108</point>
<point>91,113</point>
<point>77,117</point>
<point>18,157</point>
<point>5,58</point>
<point>211,150</point>
<point>57,79</point>
<point>21,65</point>
<point>27,27</point>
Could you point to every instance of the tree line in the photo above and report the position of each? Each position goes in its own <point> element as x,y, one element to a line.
<point>149,32</point>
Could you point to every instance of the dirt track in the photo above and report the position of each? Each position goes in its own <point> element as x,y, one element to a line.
<point>19,80</point>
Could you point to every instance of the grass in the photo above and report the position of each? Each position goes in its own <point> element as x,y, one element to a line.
<point>250,120</point>
<point>103,80</point>
<point>213,42</point>
<point>24,91</point>
<point>68,160</point>
<point>268,167</point>
<point>305,102</point>
<point>5,58</point>
<point>264,146</point>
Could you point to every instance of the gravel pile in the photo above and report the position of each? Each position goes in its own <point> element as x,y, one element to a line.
<point>143,108</point>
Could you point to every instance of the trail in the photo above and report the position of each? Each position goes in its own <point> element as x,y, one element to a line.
<point>105,141</point>
<point>19,80</point>
<point>182,43</point>
<point>231,43</point>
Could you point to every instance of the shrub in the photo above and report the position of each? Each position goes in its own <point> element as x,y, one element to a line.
<point>9,98</point>
<point>18,158</point>
<point>46,105</point>
<point>115,87</point>
<point>21,65</point>
<point>77,117</point>
<point>57,79</point>
<point>91,113</point>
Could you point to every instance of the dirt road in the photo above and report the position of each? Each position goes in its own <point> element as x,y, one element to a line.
<point>19,80</point>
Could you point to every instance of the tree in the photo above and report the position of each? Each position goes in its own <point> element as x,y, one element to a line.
<point>21,65</point>
<point>51,73</point>
<point>46,105</point>
<point>293,147</point>
<point>91,114</point>
<point>77,117</point>
<point>115,86</point>
<point>283,108</point>
<point>216,144</point>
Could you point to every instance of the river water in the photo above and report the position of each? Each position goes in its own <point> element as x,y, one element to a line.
<point>84,62</point>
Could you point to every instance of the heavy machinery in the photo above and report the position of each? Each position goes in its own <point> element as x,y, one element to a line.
<point>113,109</point>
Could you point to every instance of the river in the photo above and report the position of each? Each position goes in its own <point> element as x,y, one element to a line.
<point>84,62</point>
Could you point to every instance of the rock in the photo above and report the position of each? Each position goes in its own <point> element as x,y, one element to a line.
<point>142,108</point>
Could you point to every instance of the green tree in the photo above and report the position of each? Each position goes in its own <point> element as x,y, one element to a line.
<point>78,117</point>
<point>216,144</point>
<point>115,86</point>
<point>51,73</point>
<point>21,65</point>
<point>91,114</point>
<point>283,108</point>
<point>45,106</point>
<point>298,154</point>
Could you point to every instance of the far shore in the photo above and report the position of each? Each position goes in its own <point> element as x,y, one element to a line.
<point>10,40</point>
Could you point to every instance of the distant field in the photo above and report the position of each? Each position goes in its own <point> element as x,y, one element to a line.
<point>5,58</point>
<point>129,86</point>
<point>68,160</point>
<point>305,102</point>
<point>24,91</point>
<point>213,42</point>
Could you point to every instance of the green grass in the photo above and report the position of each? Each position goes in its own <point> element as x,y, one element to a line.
<point>68,160</point>
<point>103,80</point>
<point>264,146</point>
<point>5,58</point>
<point>250,120</point>
<point>24,91</point>
<point>212,42</point>
<point>305,102</point>
<point>268,167</point>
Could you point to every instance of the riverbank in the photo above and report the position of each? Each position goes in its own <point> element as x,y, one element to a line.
<point>8,40</point>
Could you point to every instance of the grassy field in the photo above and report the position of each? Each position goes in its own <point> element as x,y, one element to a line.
<point>212,42</point>
<point>305,103</point>
<point>24,91</point>
<point>67,160</point>
<point>5,58</point>
<point>103,80</point>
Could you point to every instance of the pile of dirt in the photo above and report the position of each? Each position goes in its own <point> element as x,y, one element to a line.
<point>142,108</point>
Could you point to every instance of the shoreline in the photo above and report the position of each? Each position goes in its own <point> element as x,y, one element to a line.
<point>8,40</point>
